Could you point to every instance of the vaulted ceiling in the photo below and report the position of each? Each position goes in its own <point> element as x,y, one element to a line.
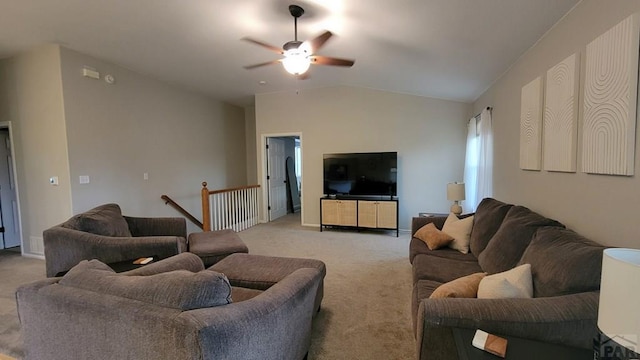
<point>450,49</point>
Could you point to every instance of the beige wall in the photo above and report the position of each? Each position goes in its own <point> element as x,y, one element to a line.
<point>140,125</point>
<point>428,134</point>
<point>31,98</point>
<point>597,206</point>
<point>250,133</point>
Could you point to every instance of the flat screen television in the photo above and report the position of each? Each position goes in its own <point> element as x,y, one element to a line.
<point>361,174</point>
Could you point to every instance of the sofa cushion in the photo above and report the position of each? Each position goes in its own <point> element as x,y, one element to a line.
<point>106,220</point>
<point>179,289</point>
<point>434,238</point>
<point>419,247</point>
<point>515,283</point>
<point>486,222</point>
<point>506,247</point>
<point>563,262</point>
<point>459,230</point>
<point>427,267</point>
<point>464,287</point>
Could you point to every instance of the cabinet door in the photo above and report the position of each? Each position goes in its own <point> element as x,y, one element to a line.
<point>330,212</point>
<point>367,214</point>
<point>348,212</point>
<point>387,214</point>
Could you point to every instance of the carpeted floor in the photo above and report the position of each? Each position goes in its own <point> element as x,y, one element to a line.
<point>366,310</point>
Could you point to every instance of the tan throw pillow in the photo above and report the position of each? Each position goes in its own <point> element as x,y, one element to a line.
<point>514,283</point>
<point>459,230</point>
<point>433,237</point>
<point>464,287</point>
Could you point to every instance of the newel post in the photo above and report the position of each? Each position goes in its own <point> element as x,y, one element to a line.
<point>206,212</point>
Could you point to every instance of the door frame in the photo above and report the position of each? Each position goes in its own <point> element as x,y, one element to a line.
<point>7,125</point>
<point>262,180</point>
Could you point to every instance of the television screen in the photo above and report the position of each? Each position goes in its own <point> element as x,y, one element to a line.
<point>361,174</point>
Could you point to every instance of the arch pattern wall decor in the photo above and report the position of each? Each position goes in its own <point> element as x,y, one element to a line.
<point>531,125</point>
<point>610,98</point>
<point>561,116</point>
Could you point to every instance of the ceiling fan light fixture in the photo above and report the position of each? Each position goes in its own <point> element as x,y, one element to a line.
<point>296,61</point>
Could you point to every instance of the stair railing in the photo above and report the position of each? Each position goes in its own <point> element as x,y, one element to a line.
<point>181,210</point>
<point>234,208</point>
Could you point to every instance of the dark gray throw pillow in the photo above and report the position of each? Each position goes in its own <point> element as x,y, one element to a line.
<point>506,247</point>
<point>178,289</point>
<point>486,221</point>
<point>106,220</point>
<point>563,262</point>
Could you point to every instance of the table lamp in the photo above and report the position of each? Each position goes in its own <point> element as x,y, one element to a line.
<point>455,193</point>
<point>618,311</point>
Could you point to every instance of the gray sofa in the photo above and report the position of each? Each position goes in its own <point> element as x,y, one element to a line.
<point>172,309</point>
<point>566,279</point>
<point>103,233</point>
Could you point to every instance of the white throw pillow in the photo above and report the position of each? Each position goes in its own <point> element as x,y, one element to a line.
<point>514,283</point>
<point>459,230</point>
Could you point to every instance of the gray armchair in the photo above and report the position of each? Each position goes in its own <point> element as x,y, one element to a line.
<point>103,233</point>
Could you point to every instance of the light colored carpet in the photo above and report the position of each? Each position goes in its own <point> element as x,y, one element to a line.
<point>366,310</point>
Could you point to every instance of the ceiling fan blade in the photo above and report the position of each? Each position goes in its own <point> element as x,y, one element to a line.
<point>264,45</point>
<point>317,42</point>
<point>249,67</point>
<point>325,60</point>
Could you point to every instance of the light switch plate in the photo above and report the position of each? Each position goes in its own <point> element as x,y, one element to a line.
<point>84,179</point>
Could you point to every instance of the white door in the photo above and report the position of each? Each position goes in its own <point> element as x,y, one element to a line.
<point>8,202</point>
<point>276,177</point>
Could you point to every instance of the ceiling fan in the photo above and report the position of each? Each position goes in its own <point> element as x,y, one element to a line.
<point>298,55</point>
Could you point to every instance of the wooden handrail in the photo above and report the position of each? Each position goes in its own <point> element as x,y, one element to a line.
<point>204,184</point>
<point>181,210</point>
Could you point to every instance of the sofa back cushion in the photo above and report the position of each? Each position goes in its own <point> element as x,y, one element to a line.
<point>486,221</point>
<point>563,262</point>
<point>506,247</point>
<point>178,289</point>
<point>106,220</point>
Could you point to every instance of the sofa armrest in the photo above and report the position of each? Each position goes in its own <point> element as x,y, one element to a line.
<point>64,248</point>
<point>569,320</point>
<point>281,317</point>
<point>157,226</point>
<point>182,261</point>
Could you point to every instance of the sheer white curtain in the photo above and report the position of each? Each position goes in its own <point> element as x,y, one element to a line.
<point>478,167</point>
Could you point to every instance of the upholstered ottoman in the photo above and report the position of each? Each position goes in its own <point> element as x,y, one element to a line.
<point>213,246</point>
<point>261,272</point>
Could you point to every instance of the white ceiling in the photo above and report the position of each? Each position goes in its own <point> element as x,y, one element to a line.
<point>450,49</point>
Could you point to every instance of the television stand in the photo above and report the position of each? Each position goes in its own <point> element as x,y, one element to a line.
<point>359,213</point>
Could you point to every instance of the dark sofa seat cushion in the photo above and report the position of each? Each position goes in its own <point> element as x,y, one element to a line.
<point>563,262</point>
<point>441,269</point>
<point>417,246</point>
<point>179,289</point>
<point>106,220</point>
<point>506,247</point>
<point>486,222</point>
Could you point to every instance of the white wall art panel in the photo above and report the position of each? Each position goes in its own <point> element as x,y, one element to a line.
<point>561,116</point>
<point>531,125</point>
<point>610,97</point>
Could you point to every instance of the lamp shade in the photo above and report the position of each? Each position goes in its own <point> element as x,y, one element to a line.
<point>455,191</point>
<point>296,61</point>
<point>618,311</point>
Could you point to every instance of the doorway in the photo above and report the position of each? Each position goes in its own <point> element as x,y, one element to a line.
<point>282,165</point>
<point>10,233</point>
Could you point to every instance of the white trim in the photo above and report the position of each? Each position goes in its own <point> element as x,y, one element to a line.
<point>33,256</point>
<point>7,124</point>
<point>262,180</point>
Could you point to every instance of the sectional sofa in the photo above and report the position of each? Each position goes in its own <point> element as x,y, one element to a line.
<point>172,309</point>
<point>565,270</point>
